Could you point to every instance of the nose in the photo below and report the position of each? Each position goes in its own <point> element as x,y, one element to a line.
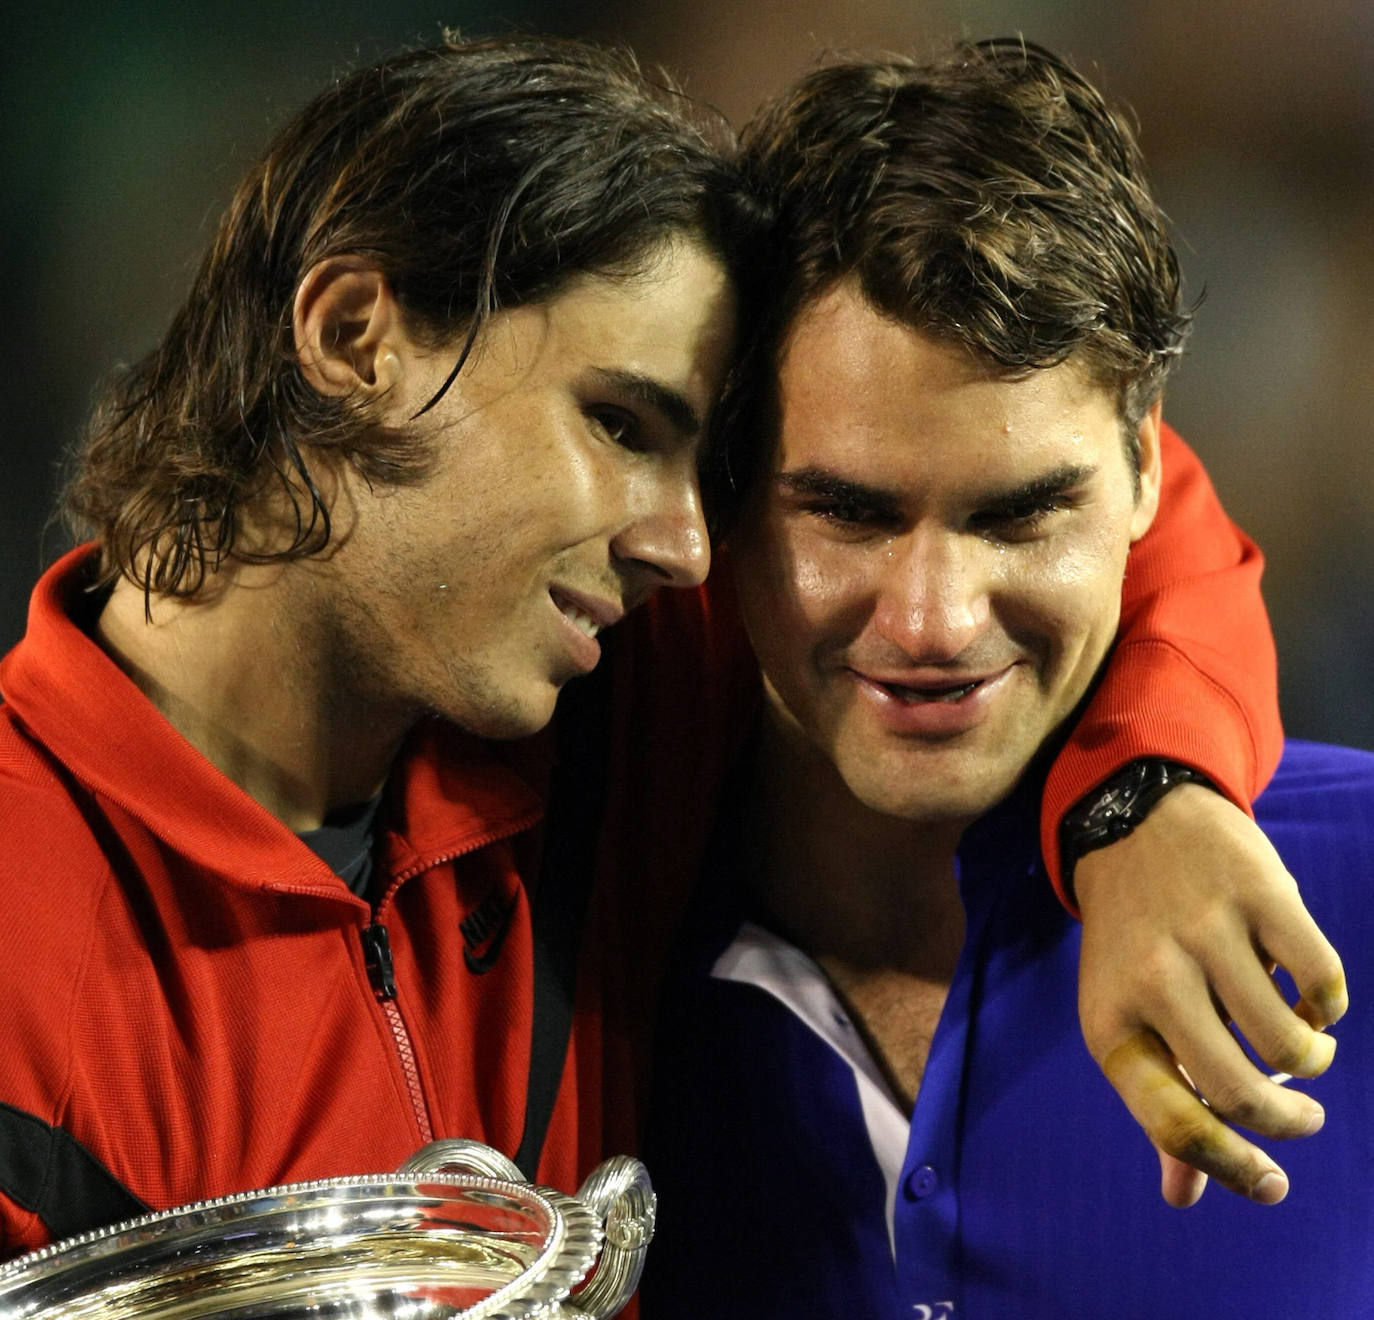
<point>933,595</point>
<point>665,531</point>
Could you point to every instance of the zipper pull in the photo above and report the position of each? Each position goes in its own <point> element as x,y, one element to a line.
<point>377,952</point>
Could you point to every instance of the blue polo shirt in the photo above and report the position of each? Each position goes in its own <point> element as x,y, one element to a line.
<point>791,1185</point>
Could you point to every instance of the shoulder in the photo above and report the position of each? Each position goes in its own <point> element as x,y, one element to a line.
<point>697,631</point>
<point>1318,812</point>
<point>1318,780</point>
<point>54,878</point>
<point>54,869</point>
<point>45,815</point>
<point>686,654</point>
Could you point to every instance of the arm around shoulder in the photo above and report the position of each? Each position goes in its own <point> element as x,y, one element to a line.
<point>1191,909</point>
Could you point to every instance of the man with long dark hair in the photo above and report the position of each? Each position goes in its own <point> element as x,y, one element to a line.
<point>427,422</point>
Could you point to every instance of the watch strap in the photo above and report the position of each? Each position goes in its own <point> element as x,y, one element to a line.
<point>1118,804</point>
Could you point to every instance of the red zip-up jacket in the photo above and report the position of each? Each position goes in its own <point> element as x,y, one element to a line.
<point>190,1009</point>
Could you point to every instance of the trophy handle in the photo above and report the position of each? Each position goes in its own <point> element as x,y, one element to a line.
<point>461,1155</point>
<point>618,1191</point>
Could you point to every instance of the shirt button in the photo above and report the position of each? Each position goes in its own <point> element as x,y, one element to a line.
<point>921,1182</point>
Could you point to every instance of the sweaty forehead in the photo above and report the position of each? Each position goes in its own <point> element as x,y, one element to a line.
<point>849,374</point>
<point>668,324</point>
<point>840,338</point>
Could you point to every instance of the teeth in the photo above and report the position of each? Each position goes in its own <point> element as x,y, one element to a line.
<point>584,622</point>
<point>932,694</point>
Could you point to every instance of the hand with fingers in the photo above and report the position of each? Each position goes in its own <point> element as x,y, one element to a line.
<point>1184,921</point>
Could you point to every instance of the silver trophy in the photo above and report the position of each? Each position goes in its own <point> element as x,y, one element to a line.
<point>455,1232</point>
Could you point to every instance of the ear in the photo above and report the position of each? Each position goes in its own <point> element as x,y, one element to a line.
<point>346,322</point>
<point>1147,502</point>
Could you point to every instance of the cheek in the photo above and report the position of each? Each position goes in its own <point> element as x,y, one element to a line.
<point>798,588</point>
<point>1066,600</point>
<point>566,488</point>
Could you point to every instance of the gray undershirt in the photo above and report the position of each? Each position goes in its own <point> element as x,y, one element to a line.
<point>344,843</point>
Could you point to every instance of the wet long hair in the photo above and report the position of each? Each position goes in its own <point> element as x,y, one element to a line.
<point>475,176</point>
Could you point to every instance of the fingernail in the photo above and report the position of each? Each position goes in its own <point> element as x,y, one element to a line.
<point>1336,1000</point>
<point>1319,1053</point>
<point>1273,1187</point>
<point>1314,1121</point>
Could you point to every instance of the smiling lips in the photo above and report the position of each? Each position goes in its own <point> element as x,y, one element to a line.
<point>940,707</point>
<point>938,693</point>
<point>585,616</point>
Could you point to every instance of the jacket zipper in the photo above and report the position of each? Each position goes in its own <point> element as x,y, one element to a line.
<point>381,973</point>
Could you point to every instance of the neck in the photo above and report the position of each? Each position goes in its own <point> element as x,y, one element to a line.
<point>844,881</point>
<point>872,898</point>
<point>247,674</point>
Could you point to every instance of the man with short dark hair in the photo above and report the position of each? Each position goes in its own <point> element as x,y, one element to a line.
<point>872,1097</point>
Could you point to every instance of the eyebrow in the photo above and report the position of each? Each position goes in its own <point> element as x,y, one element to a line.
<point>821,483</point>
<point>668,402</point>
<point>818,483</point>
<point>1054,482</point>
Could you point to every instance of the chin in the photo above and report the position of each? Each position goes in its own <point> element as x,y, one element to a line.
<point>504,717</point>
<point>930,795</point>
<point>944,809</point>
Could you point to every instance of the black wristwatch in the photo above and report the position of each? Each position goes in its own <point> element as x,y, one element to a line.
<point>1117,805</point>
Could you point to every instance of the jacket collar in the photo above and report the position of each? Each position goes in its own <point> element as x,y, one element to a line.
<point>449,793</point>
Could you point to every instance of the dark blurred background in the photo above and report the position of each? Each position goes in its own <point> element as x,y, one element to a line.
<point>127,124</point>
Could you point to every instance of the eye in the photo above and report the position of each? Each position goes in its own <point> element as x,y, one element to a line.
<point>1020,520</point>
<point>850,515</point>
<point>618,426</point>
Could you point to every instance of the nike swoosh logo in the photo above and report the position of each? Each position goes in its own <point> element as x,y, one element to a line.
<point>486,924</point>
